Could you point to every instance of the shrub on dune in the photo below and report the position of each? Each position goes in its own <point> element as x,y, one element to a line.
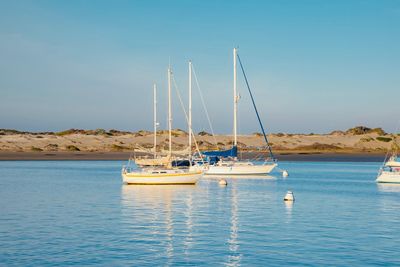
<point>384,139</point>
<point>72,148</point>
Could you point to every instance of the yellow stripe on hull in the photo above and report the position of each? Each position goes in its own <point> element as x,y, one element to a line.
<point>161,178</point>
<point>160,174</point>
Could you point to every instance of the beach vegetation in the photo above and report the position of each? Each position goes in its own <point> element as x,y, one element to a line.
<point>367,139</point>
<point>378,131</point>
<point>11,131</point>
<point>72,148</point>
<point>204,133</point>
<point>318,146</point>
<point>203,142</point>
<point>66,132</point>
<point>116,147</point>
<point>384,139</point>
<point>85,132</point>
<point>336,132</point>
<point>175,134</point>
<point>147,145</point>
<point>117,132</point>
<point>102,132</point>
<point>51,147</point>
<point>180,131</point>
<point>142,133</point>
<point>36,149</point>
<point>359,130</point>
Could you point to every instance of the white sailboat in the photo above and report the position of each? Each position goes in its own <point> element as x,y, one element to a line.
<point>232,165</point>
<point>390,171</point>
<point>162,174</point>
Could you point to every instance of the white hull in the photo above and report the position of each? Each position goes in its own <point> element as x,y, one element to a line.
<point>240,169</point>
<point>241,176</point>
<point>169,177</point>
<point>388,177</point>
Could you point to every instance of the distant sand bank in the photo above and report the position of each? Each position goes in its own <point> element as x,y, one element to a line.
<point>355,144</point>
<point>123,156</point>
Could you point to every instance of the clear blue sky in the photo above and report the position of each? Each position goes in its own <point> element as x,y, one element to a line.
<point>314,66</point>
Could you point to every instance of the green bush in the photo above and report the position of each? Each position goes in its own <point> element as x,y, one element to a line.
<point>384,139</point>
<point>36,149</point>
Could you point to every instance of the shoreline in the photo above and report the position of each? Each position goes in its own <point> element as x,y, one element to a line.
<point>124,156</point>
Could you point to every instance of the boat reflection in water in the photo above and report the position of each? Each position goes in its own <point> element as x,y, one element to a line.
<point>241,176</point>
<point>234,255</point>
<point>388,187</point>
<point>150,213</point>
<point>389,201</point>
<point>171,222</point>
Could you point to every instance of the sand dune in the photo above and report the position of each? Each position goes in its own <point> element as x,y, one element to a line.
<point>355,140</point>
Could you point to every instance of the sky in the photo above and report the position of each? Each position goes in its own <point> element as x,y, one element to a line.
<point>313,66</point>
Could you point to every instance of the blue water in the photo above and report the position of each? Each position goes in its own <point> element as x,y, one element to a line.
<point>78,213</point>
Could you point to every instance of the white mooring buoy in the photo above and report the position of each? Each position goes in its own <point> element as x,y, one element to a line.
<point>285,173</point>
<point>289,196</point>
<point>223,182</point>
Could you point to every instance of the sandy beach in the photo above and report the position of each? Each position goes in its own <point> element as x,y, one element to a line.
<point>339,157</point>
<point>355,144</point>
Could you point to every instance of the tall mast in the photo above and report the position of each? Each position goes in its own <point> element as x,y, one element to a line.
<point>235,99</point>
<point>190,109</point>
<point>169,113</point>
<point>155,119</point>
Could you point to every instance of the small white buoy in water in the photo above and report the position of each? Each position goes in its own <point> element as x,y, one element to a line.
<point>223,182</point>
<point>285,173</point>
<point>289,196</point>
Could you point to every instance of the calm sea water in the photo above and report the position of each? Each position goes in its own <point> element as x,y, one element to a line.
<point>79,213</point>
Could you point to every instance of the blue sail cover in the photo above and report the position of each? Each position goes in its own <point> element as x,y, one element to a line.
<point>222,153</point>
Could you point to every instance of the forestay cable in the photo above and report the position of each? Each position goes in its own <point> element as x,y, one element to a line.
<point>204,106</point>
<point>255,108</point>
